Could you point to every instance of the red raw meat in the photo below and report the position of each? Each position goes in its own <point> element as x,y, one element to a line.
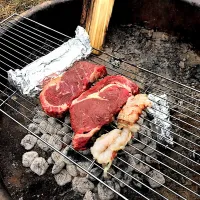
<point>97,107</point>
<point>58,94</point>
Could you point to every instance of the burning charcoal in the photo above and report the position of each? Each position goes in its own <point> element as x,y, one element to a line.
<point>117,187</point>
<point>39,166</point>
<point>118,174</point>
<point>65,151</point>
<point>42,114</point>
<point>58,166</point>
<point>58,162</point>
<point>150,148</point>
<point>88,196</point>
<point>95,190</point>
<point>129,169</point>
<point>104,192</point>
<point>49,129</point>
<point>37,119</point>
<point>59,159</point>
<point>157,177</point>
<point>50,161</point>
<point>63,131</point>
<point>29,141</point>
<point>130,150</point>
<point>55,141</point>
<point>135,182</point>
<point>41,144</point>
<point>136,135</point>
<point>126,179</point>
<point>144,131</point>
<point>63,177</point>
<point>67,120</point>
<point>57,127</point>
<point>145,139</point>
<point>150,160</point>
<point>95,195</point>
<point>28,158</point>
<point>55,156</point>
<point>72,170</point>
<point>34,128</point>
<point>146,123</point>
<point>142,168</point>
<point>66,139</point>
<point>135,159</point>
<point>85,165</point>
<point>68,162</point>
<point>53,129</point>
<point>138,145</point>
<point>82,185</point>
<point>43,126</point>
<point>96,172</point>
<point>132,161</point>
<point>52,120</point>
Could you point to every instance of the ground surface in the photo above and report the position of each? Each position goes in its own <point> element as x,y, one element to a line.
<point>8,7</point>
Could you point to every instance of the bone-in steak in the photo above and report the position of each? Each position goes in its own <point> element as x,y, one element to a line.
<point>58,94</point>
<point>97,107</point>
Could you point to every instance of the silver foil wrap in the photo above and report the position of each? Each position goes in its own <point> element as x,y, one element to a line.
<point>29,80</point>
<point>161,122</point>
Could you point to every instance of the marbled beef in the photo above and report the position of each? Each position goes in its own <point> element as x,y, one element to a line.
<point>97,107</point>
<point>58,94</point>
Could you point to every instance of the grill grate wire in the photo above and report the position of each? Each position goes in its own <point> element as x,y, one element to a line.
<point>112,68</point>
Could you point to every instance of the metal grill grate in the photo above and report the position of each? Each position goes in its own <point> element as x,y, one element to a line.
<point>28,40</point>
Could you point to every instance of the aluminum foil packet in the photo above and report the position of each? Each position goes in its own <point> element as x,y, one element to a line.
<point>29,80</point>
<point>161,122</point>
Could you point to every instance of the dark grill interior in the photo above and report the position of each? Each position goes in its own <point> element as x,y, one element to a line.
<point>28,40</point>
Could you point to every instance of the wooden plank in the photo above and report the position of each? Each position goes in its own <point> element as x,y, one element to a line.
<point>85,11</point>
<point>97,21</point>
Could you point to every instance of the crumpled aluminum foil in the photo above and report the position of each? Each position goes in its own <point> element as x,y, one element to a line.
<point>161,113</point>
<point>29,80</point>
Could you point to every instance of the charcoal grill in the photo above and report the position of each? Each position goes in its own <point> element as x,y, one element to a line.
<point>27,40</point>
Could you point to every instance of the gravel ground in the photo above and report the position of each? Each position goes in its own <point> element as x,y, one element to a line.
<point>8,7</point>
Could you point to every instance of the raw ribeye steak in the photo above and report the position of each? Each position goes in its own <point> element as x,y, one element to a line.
<point>58,94</point>
<point>97,107</point>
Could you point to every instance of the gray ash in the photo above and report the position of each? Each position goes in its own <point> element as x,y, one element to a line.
<point>66,172</point>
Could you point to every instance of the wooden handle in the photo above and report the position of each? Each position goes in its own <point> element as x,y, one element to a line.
<point>97,21</point>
